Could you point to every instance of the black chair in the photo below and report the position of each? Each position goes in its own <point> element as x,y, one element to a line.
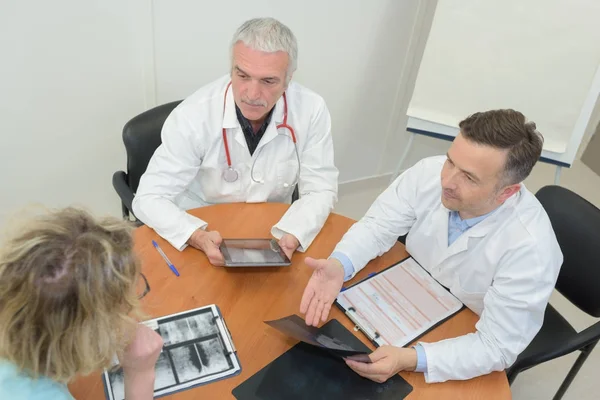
<point>576,223</point>
<point>402,239</point>
<point>141,136</point>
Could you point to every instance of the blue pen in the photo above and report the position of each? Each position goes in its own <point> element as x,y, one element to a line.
<point>164,256</point>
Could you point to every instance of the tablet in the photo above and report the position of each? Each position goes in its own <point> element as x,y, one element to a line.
<point>253,253</point>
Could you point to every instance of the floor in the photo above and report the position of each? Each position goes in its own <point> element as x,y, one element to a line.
<point>542,381</point>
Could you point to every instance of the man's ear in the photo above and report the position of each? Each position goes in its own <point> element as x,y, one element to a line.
<point>508,191</point>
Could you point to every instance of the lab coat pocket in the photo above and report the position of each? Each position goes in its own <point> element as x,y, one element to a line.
<point>471,295</point>
<point>287,174</point>
<point>211,186</point>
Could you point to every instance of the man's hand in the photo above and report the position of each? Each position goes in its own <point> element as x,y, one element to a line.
<point>289,244</point>
<point>321,290</point>
<point>208,242</point>
<point>387,361</point>
<point>138,362</point>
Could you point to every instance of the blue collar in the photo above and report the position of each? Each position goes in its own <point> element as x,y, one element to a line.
<point>470,222</point>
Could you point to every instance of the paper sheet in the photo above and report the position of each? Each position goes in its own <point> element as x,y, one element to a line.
<point>399,304</point>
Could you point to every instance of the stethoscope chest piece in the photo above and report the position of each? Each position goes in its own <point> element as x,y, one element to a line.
<point>230,175</point>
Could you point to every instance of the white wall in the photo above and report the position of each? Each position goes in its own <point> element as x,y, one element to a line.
<point>73,72</point>
<point>357,54</point>
<point>70,78</point>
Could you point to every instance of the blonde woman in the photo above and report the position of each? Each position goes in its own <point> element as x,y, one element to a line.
<point>68,297</point>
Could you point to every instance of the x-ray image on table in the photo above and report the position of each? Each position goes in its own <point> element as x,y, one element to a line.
<point>197,350</point>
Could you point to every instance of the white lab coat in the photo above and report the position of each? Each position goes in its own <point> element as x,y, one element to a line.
<point>186,171</point>
<point>504,268</point>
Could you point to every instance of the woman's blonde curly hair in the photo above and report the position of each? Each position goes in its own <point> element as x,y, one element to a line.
<point>67,294</point>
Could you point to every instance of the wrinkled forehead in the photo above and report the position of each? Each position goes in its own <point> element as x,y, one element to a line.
<point>259,64</point>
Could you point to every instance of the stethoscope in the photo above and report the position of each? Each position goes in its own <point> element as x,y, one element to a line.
<point>230,174</point>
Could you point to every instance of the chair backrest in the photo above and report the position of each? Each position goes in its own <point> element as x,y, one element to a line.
<point>141,136</point>
<point>576,223</point>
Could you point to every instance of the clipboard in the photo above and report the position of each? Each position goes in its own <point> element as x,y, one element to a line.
<point>398,305</point>
<point>198,349</point>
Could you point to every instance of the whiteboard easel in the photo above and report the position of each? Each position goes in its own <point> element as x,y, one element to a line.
<point>445,93</point>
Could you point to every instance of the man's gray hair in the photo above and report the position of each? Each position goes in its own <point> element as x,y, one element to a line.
<point>268,35</point>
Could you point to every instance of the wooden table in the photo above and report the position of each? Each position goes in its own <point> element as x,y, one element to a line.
<point>247,297</point>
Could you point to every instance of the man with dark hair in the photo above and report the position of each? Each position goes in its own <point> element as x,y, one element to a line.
<point>477,230</point>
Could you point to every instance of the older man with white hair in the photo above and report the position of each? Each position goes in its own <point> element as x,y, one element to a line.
<point>250,136</point>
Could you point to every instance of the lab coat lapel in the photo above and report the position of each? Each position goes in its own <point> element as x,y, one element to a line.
<point>459,245</point>
<point>440,222</point>
<point>229,116</point>
<point>230,121</point>
<point>276,119</point>
<point>239,137</point>
<point>491,221</point>
<point>480,230</point>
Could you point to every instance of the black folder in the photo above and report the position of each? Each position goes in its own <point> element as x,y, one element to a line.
<point>308,372</point>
